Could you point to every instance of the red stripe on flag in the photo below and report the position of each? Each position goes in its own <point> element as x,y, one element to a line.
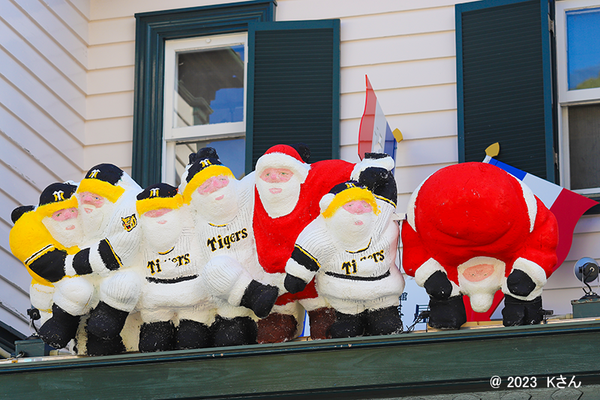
<point>568,208</point>
<point>367,122</point>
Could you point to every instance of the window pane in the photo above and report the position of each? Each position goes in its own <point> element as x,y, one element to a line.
<point>210,86</point>
<point>232,153</point>
<point>583,48</point>
<point>584,146</point>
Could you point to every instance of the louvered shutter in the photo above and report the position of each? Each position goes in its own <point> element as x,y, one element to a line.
<point>293,87</point>
<point>504,83</point>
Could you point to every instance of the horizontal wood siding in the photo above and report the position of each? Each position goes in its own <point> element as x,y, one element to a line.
<point>43,80</point>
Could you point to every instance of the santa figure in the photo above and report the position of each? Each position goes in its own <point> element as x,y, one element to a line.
<point>110,246</point>
<point>472,229</point>
<point>175,309</point>
<point>45,239</point>
<point>350,250</point>
<point>288,190</point>
<point>221,208</point>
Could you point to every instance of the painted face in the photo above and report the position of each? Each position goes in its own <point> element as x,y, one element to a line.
<point>276,175</point>
<point>65,215</point>
<point>64,226</point>
<point>358,207</point>
<point>95,212</point>
<point>213,184</point>
<point>162,227</point>
<point>352,223</point>
<point>157,214</point>
<point>279,190</point>
<point>88,199</point>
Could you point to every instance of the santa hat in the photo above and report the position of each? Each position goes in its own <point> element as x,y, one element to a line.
<point>108,181</point>
<point>344,193</point>
<point>57,196</point>
<point>206,164</point>
<point>283,156</point>
<point>160,195</point>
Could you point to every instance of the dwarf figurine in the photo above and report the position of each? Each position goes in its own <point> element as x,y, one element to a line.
<point>472,229</point>
<point>351,251</point>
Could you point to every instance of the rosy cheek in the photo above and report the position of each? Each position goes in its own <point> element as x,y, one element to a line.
<point>285,177</point>
<point>157,213</point>
<point>64,215</point>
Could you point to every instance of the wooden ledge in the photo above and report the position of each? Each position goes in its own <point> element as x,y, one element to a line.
<point>368,367</point>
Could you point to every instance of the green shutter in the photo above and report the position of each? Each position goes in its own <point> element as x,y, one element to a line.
<point>293,87</point>
<point>152,29</point>
<point>504,83</point>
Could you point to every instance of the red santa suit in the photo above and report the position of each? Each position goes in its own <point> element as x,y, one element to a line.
<point>275,237</point>
<point>473,221</point>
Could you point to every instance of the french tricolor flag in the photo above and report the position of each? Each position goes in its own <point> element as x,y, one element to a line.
<point>566,205</point>
<point>375,135</point>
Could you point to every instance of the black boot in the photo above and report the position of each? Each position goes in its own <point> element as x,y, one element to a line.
<point>348,325</point>
<point>192,335</point>
<point>234,332</point>
<point>104,347</point>
<point>521,312</point>
<point>447,314</point>
<point>259,298</point>
<point>60,329</point>
<point>157,336</point>
<point>385,321</point>
<point>105,321</point>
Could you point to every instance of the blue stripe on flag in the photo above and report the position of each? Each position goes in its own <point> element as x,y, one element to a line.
<point>517,173</point>
<point>390,142</point>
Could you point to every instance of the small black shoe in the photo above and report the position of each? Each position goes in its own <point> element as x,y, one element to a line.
<point>60,328</point>
<point>521,312</point>
<point>192,335</point>
<point>447,314</point>
<point>157,336</point>
<point>385,321</point>
<point>260,298</point>
<point>234,332</point>
<point>105,321</point>
<point>348,325</point>
<point>104,347</point>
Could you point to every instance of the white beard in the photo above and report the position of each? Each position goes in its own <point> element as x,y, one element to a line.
<point>279,204</point>
<point>67,238</point>
<point>96,222</point>
<point>481,293</point>
<point>162,237</point>
<point>215,211</point>
<point>342,226</point>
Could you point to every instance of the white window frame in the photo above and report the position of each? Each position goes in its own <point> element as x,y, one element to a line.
<point>568,97</point>
<point>172,135</point>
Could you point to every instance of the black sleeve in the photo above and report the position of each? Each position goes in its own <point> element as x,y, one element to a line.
<point>49,265</point>
<point>380,182</point>
<point>81,262</point>
<point>110,259</point>
<point>303,258</point>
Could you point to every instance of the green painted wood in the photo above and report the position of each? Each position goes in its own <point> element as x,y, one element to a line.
<point>504,83</point>
<point>293,87</point>
<point>398,365</point>
<point>152,29</point>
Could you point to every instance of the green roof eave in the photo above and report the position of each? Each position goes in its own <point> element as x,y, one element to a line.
<point>396,365</point>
